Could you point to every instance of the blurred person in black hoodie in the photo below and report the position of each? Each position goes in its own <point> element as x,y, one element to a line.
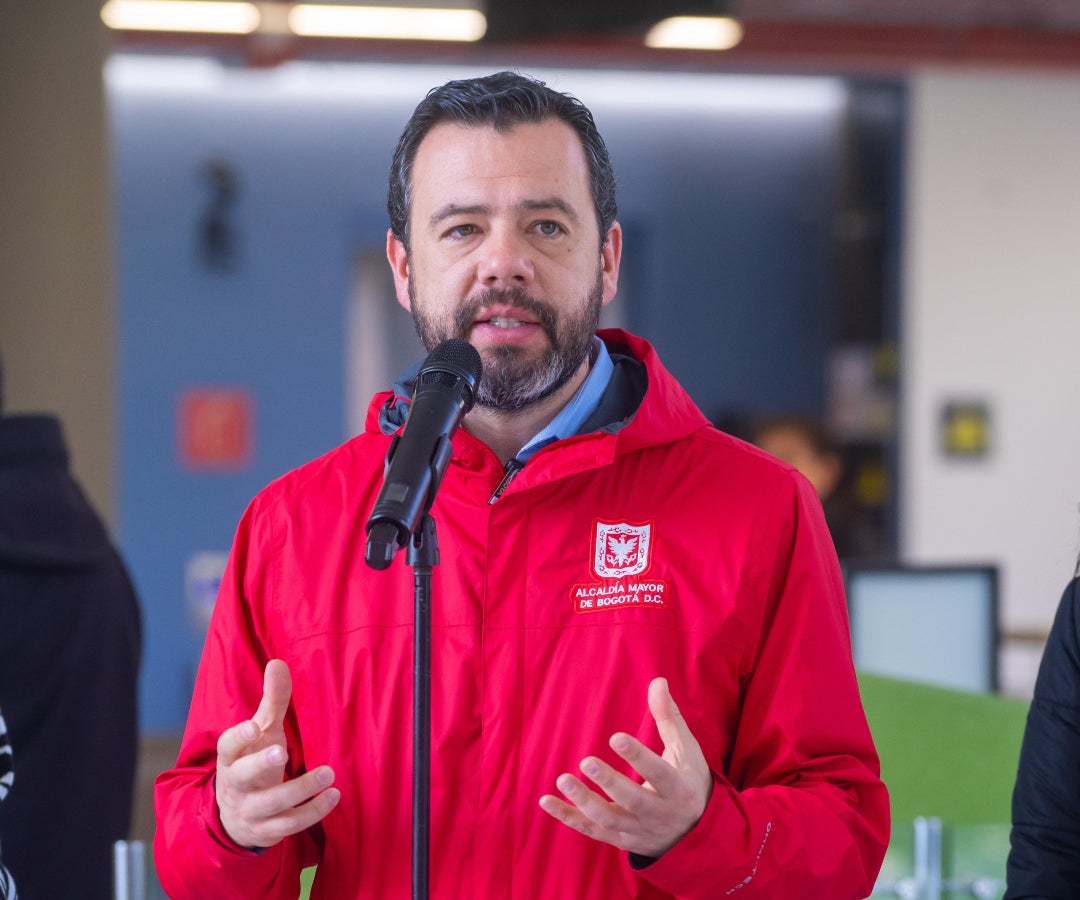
<point>1044,855</point>
<point>70,644</point>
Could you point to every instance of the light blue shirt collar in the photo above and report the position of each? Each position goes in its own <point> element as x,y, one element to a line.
<point>582,405</point>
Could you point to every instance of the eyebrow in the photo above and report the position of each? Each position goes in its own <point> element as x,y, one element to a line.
<point>480,209</point>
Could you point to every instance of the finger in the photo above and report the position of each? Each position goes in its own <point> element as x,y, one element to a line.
<point>236,741</point>
<point>282,798</point>
<point>597,809</point>
<point>669,721</point>
<point>659,775</point>
<point>277,691</point>
<point>255,771</point>
<point>574,818</point>
<point>566,813</point>
<point>293,820</point>
<point>681,748</point>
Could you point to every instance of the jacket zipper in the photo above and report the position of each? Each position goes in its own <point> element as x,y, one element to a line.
<point>512,468</point>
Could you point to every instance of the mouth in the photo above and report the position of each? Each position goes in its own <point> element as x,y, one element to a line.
<point>498,318</point>
<point>503,322</point>
<point>504,317</point>
<point>505,328</point>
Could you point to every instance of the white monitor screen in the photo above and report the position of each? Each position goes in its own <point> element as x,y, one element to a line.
<point>937,625</point>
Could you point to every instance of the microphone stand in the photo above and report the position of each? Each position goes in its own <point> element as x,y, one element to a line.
<point>423,553</point>
<point>410,481</point>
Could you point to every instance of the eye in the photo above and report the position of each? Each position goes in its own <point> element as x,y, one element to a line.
<point>461,231</point>
<point>548,228</point>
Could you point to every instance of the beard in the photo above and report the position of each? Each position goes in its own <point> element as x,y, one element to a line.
<point>514,378</point>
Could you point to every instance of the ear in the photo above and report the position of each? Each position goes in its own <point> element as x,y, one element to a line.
<point>398,258</point>
<point>610,257</point>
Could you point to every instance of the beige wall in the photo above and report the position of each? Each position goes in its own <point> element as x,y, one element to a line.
<point>991,313</point>
<point>56,296</point>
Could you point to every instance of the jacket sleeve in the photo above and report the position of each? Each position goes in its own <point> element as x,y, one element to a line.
<point>194,856</point>
<point>1044,859</point>
<point>799,810</point>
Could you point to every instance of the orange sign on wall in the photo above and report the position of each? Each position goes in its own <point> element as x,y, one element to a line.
<point>215,428</point>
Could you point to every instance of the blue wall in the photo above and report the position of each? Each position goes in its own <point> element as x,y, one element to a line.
<point>727,192</point>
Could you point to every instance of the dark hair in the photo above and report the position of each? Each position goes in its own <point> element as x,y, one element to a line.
<point>502,101</point>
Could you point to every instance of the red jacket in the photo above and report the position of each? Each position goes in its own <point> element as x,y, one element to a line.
<point>658,546</point>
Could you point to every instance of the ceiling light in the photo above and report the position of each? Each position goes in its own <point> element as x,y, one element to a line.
<point>400,23</point>
<point>695,33</point>
<point>181,15</point>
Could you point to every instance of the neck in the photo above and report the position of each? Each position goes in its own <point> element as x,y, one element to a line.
<point>507,432</point>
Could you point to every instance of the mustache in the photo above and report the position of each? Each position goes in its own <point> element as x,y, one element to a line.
<point>516,298</point>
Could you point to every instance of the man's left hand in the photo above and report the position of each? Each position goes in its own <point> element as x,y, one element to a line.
<point>647,819</point>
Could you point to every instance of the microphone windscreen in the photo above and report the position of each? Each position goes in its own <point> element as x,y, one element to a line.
<point>450,360</point>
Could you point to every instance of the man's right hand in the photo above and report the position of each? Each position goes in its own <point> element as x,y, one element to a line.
<point>258,807</point>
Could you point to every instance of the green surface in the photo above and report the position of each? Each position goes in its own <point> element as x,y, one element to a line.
<point>951,755</point>
<point>944,753</point>
<point>306,877</point>
<point>974,851</point>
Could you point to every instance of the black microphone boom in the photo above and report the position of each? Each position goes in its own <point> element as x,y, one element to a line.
<point>416,461</point>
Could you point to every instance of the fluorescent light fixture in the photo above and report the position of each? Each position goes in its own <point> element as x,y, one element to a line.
<point>181,15</point>
<point>156,75</point>
<point>695,33</point>
<point>622,93</point>
<point>400,23</point>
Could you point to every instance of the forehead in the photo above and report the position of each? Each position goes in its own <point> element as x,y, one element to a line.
<point>542,157</point>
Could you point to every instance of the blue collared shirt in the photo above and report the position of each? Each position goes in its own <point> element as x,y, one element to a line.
<point>582,405</point>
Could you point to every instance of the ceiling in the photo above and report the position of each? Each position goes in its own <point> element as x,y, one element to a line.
<point>1045,14</point>
<point>566,16</point>
<point>838,35</point>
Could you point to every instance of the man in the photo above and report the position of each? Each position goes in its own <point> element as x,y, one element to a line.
<point>1044,854</point>
<point>606,553</point>
<point>70,645</point>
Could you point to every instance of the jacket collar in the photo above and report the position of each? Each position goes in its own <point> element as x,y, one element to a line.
<point>643,403</point>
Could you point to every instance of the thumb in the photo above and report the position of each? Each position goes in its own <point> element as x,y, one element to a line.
<point>277,691</point>
<point>669,721</point>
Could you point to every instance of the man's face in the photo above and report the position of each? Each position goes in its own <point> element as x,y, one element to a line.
<point>505,253</point>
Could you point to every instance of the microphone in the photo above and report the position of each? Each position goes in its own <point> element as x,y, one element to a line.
<point>444,391</point>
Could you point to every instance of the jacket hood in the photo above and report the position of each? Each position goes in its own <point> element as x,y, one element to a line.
<point>643,404</point>
<point>45,520</point>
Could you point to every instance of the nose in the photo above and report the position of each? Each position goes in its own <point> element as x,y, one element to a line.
<point>505,260</point>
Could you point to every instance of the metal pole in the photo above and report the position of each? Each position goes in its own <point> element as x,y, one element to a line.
<point>422,555</point>
<point>129,870</point>
<point>928,857</point>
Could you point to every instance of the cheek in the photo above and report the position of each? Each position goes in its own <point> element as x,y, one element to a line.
<point>435,276</point>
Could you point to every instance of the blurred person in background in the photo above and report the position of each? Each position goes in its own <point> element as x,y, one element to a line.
<point>1044,859</point>
<point>70,644</point>
<point>804,443</point>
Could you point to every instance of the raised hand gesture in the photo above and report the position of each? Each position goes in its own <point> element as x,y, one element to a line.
<point>258,807</point>
<point>647,819</point>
